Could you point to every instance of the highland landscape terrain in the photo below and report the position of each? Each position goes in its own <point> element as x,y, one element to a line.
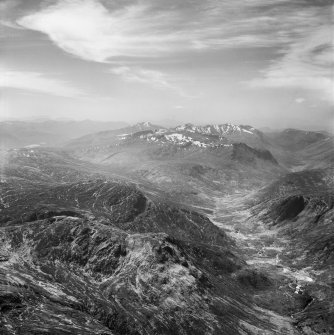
<point>166,167</point>
<point>111,228</point>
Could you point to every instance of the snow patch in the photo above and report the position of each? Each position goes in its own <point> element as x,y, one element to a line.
<point>247,131</point>
<point>32,146</point>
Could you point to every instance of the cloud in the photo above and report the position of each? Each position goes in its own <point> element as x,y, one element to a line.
<point>307,64</point>
<point>299,100</point>
<point>98,32</point>
<point>140,75</point>
<point>37,82</point>
<point>90,31</point>
<point>154,78</point>
<point>6,9</point>
<point>9,24</point>
<point>8,5</point>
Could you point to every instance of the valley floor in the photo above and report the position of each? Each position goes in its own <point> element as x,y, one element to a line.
<point>270,253</point>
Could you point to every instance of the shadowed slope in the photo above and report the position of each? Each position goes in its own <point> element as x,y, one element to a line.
<point>300,206</point>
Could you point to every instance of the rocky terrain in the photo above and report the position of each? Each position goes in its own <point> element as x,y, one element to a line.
<point>300,207</point>
<point>218,229</point>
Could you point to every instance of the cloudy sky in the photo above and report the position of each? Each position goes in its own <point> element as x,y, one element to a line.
<point>259,62</point>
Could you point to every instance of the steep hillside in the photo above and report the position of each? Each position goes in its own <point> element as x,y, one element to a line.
<point>300,207</point>
<point>319,154</point>
<point>244,153</point>
<point>295,139</point>
<point>299,149</point>
<point>132,283</point>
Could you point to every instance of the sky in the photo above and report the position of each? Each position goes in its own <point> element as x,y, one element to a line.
<point>258,62</point>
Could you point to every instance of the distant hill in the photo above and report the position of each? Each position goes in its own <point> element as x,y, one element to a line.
<point>187,134</point>
<point>186,159</point>
<point>295,139</point>
<point>291,148</point>
<point>301,149</point>
<point>110,136</point>
<point>191,160</point>
<point>14,134</point>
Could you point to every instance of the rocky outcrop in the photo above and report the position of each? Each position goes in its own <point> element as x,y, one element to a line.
<point>77,276</point>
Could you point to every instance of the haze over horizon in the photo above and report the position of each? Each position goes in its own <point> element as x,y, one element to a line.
<point>264,63</point>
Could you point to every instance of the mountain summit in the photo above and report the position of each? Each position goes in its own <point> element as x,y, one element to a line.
<point>217,129</point>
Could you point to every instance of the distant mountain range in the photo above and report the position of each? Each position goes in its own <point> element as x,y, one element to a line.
<point>184,135</point>
<point>292,143</point>
<point>15,134</point>
<point>234,133</point>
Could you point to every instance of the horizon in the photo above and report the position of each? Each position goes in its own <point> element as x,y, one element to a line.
<point>169,124</point>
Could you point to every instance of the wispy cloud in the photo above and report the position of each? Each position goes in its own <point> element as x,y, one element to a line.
<point>299,100</point>
<point>154,78</point>
<point>9,24</point>
<point>6,9</point>
<point>37,82</point>
<point>91,31</point>
<point>7,5</point>
<point>307,64</point>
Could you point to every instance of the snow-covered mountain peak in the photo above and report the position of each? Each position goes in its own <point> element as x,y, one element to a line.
<point>184,139</point>
<point>146,124</point>
<point>216,129</point>
<point>186,127</point>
